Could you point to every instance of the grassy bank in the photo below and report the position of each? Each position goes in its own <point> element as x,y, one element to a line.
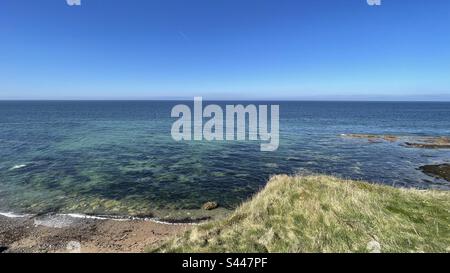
<point>326,214</point>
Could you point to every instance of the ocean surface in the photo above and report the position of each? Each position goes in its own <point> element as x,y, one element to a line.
<point>118,157</point>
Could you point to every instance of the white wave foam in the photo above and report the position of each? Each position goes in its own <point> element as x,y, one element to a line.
<point>84,216</point>
<point>158,221</point>
<point>59,220</point>
<point>14,215</point>
<point>154,220</point>
<point>16,167</point>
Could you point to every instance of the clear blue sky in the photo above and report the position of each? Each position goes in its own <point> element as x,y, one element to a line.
<point>225,49</point>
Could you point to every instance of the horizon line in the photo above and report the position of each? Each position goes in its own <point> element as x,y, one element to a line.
<point>225,100</point>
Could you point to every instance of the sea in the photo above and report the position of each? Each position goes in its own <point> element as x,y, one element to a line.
<point>119,157</point>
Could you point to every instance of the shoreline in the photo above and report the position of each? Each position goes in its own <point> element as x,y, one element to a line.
<point>101,217</point>
<point>75,233</point>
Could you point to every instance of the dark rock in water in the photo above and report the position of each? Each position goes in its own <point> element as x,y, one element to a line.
<point>210,205</point>
<point>439,171</point>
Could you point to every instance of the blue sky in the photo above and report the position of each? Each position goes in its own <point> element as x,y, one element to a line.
<point>225,49</point>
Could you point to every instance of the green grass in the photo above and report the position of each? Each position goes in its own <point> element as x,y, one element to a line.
<point>326,214</point>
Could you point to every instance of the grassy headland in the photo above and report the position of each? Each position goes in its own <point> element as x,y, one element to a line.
<point>326,214</point>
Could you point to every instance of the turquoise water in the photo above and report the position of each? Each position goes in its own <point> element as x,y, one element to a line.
<point>118,157</point>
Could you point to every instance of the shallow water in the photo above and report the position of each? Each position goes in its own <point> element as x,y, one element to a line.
<point>118,157</point>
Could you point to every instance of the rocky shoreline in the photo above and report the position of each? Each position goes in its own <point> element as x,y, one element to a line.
<point>441,171</point>
<point>437,142</point>
<point>58,233</point>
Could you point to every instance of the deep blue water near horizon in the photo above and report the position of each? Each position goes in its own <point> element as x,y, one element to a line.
<point>118,157</point>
